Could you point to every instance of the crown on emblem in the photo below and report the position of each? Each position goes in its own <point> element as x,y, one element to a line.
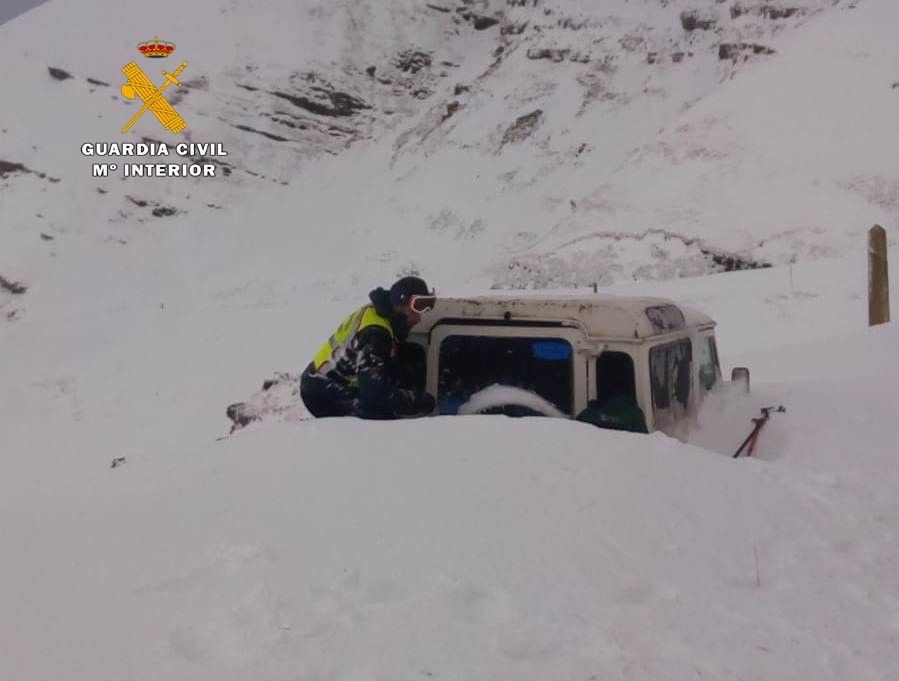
<point>156,48</point>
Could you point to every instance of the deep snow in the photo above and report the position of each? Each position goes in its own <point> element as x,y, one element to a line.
<point>457,547</point>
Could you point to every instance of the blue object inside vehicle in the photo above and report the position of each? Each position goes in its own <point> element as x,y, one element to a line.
<point>449,405</point>
<point>552,350</point>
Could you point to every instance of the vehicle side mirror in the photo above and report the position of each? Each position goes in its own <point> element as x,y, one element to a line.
<point>740,376</point>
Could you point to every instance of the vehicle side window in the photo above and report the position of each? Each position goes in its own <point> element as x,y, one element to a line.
<point>468,364</point>
<point>615,377</point>
<point>670,367</point>
<point>709,371</point>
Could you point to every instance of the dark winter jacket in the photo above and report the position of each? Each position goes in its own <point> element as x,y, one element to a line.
<point>361,368</point>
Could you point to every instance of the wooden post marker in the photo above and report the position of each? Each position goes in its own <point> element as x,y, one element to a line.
<point>878,277</point>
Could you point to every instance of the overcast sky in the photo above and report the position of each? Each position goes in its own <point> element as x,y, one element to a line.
<point>13,8</point>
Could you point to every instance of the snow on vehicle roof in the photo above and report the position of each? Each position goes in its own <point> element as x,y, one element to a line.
<point>604,316</point>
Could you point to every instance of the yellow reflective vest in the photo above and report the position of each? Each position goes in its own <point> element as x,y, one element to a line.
<point>336,346</point>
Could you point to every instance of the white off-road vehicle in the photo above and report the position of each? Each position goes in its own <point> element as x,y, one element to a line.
<point>626,363</point>
<point>576,353</point>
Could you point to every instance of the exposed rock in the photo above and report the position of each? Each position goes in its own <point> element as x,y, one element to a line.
<point>279,117</point>
<point>693,20</point>
<point>772,12</point>
<point>733,50</point>
<point>558,54</point>
<point>338,104</point>
<point>164,211</point>
<point>523,127</point>
<point>15,287</point>
<point>439,8</point>
<point>176,98</point>
<point>513,28</point>
<point>460,88</point>
<point>767,11</point>
<point>412,61</point>
<point>371,71</point>
<point>632,42</point>
<point>94,81</point>
<point>199,83</point>
<point>481,22</point>
<point>8,168</point>
<point>276,138</point>
<point>47,237</point>
<point>451,108</point>
<point>731,262</point>
<point>572,24</point>
<point>58,74</point>
<point>555,54</point>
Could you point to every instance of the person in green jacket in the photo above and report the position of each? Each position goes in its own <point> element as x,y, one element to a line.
<point>354,372</point>
<point>620,412</point>
<point>615,406</point>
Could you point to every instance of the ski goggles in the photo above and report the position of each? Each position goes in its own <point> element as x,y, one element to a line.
<point>422,304</point>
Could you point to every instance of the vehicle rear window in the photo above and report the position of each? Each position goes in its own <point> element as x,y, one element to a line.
<point>469,364</point>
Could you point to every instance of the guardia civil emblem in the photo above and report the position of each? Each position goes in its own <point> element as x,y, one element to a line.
<point>140,85</point>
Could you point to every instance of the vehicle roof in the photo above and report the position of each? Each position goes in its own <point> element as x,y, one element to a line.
<point>604,316</point>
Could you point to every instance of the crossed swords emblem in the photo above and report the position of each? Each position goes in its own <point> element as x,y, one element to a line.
<point>139,85</point>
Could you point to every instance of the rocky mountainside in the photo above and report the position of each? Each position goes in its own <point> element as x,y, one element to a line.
<point>530,143</point>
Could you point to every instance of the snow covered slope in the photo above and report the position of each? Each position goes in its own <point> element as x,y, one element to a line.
<point>455,547</point>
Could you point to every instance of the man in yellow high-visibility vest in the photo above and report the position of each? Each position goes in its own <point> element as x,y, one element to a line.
<point>352,374</point>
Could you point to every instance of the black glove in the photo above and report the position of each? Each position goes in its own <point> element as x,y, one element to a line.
<point>425,403</point>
